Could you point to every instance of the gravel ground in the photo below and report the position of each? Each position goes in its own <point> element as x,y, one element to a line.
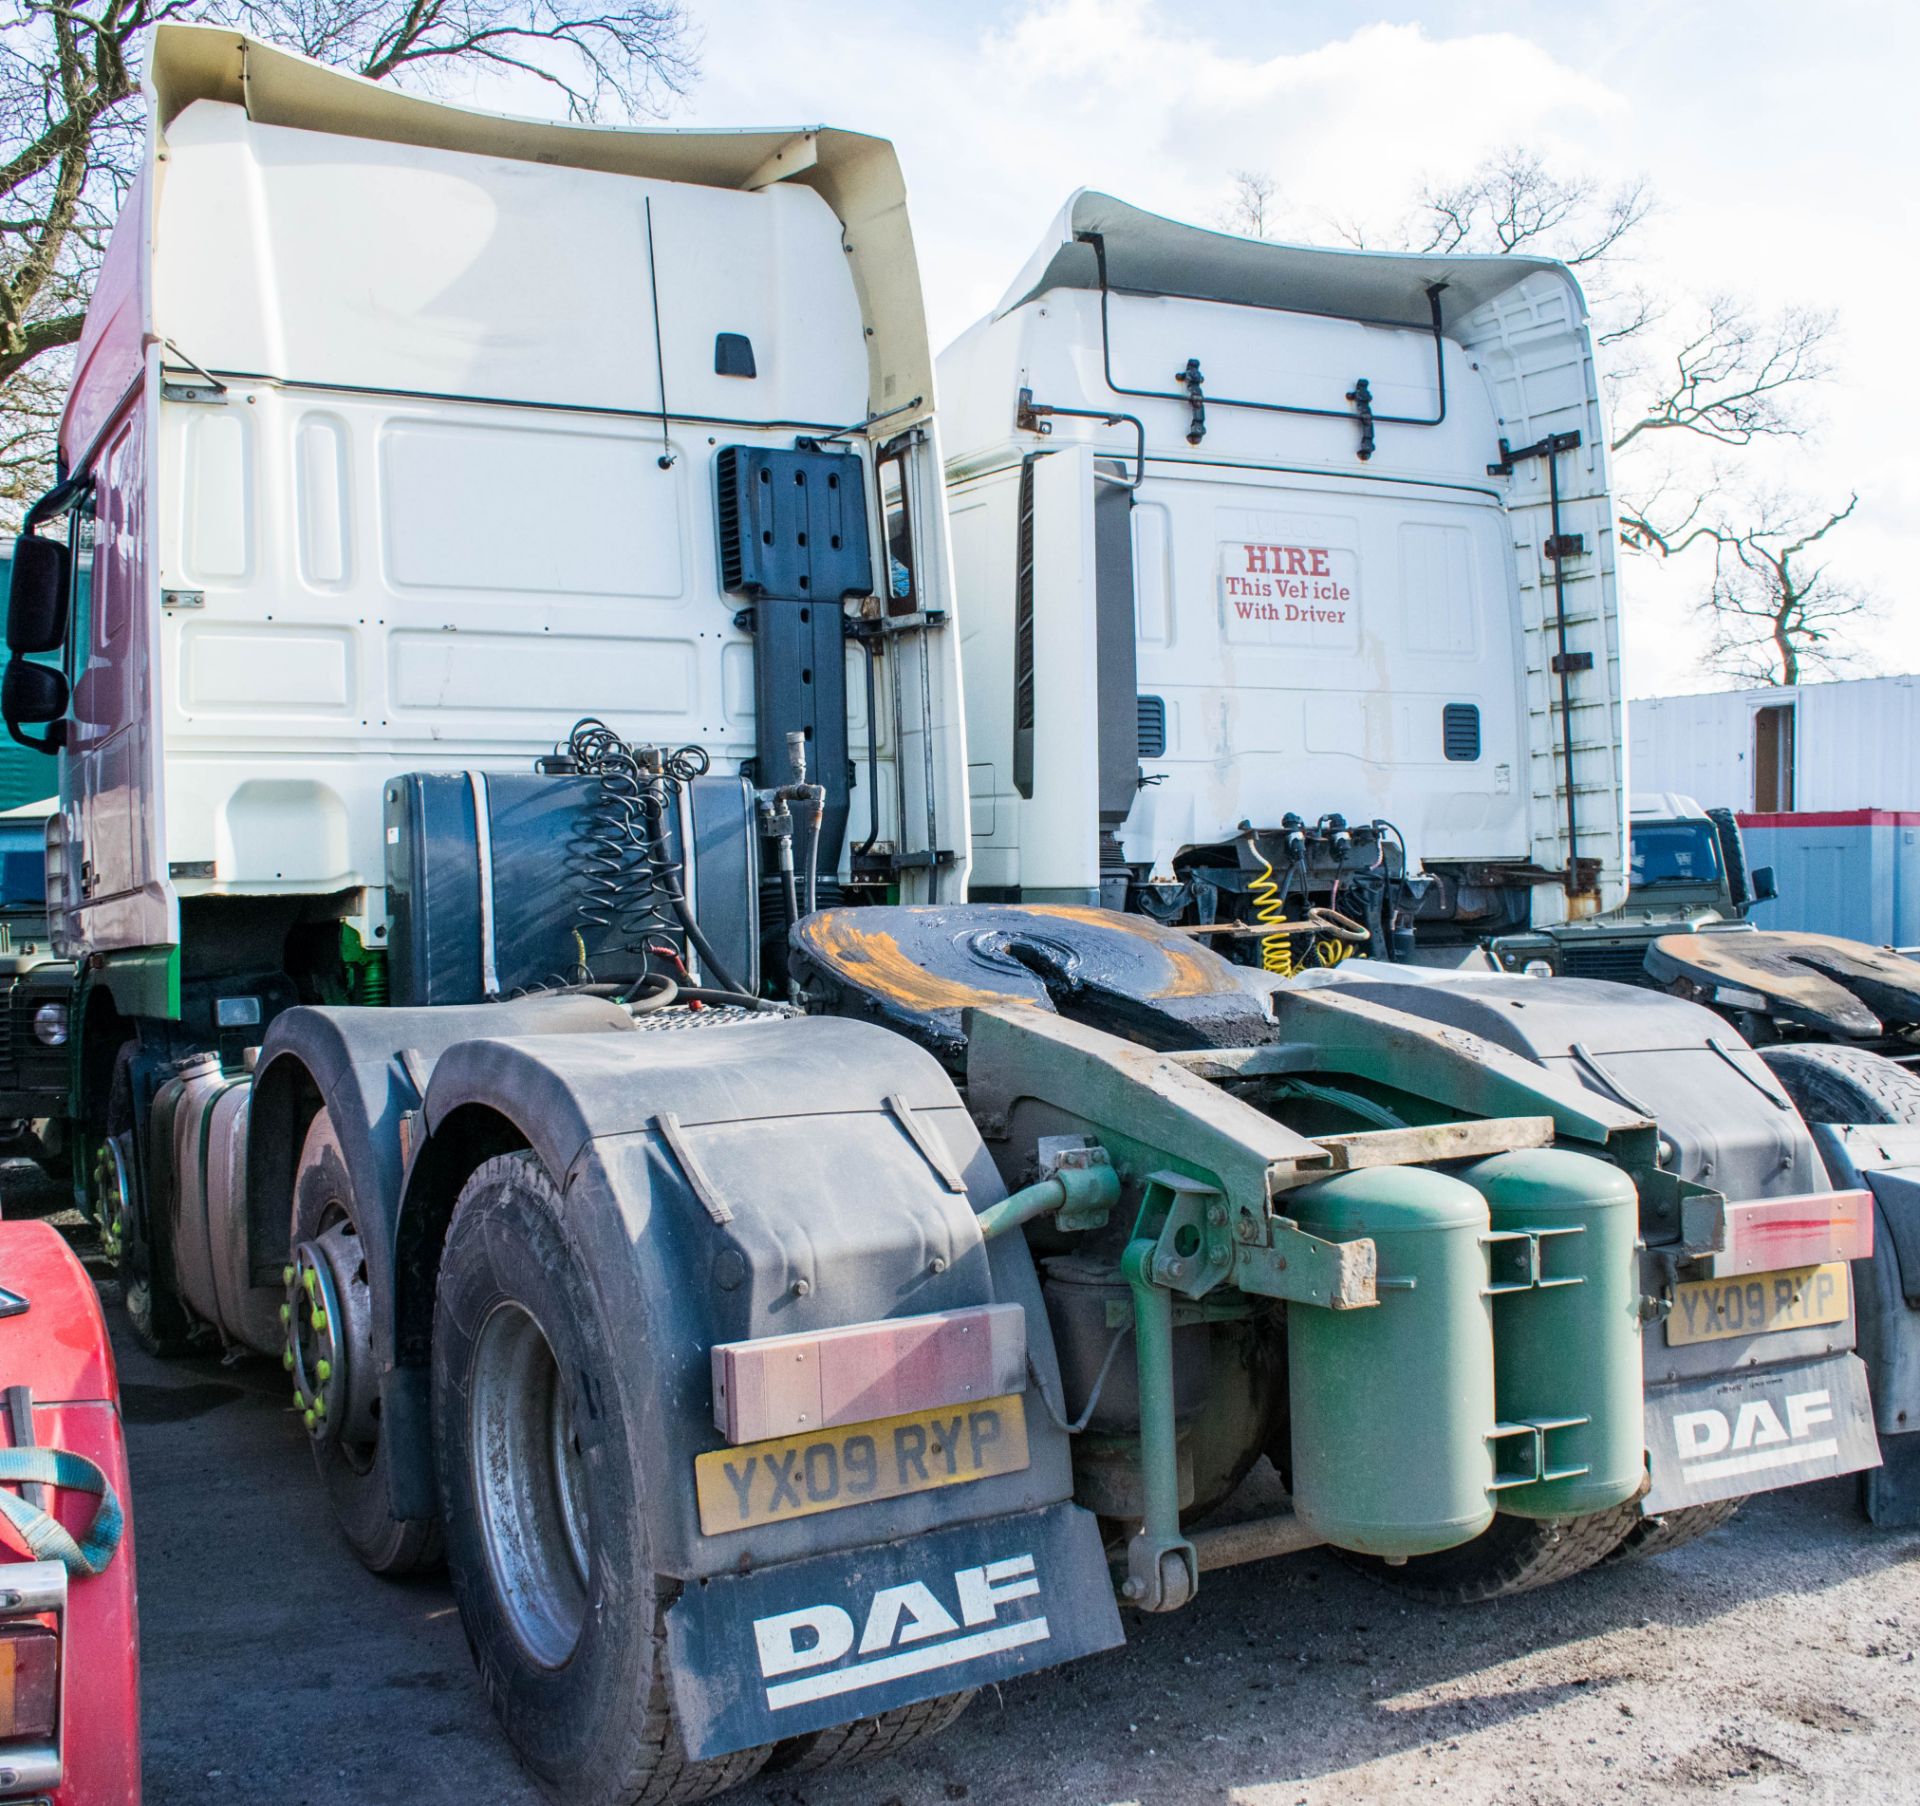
<point>1774,1660</point>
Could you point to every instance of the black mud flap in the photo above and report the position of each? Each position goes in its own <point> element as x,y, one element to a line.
<point>808,1644</point>
<point>1890,1495</point>
<point>1727,1435</point>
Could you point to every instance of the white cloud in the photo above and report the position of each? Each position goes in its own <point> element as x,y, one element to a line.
<point>997,129</point>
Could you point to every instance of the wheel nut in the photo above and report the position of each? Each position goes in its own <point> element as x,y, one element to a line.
<point>323,1371</point>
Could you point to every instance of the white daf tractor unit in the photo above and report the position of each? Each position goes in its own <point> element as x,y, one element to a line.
<point>1287,591</point>
<point>497,642</point>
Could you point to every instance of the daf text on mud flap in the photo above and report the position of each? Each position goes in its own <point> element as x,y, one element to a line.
<point>1713,1443</point>
<point>807,1643</point>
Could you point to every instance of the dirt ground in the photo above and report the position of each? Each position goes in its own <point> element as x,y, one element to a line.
<point>1774,1660</point>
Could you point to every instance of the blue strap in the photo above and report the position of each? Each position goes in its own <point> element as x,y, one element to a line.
<point>44,1534</point>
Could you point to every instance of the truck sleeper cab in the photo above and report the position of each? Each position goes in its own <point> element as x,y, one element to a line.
<point>1338,525</point>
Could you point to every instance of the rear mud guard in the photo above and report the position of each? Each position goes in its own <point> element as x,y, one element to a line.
<point>1725,1435</point>
<point>784,1650</point>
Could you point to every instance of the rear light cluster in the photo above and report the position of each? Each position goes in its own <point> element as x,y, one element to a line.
<point>1767,1234</point>
<point>29,1683</point>
<point>33,1612</point>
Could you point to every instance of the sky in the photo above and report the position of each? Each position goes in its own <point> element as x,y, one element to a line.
<point>1777,138</point>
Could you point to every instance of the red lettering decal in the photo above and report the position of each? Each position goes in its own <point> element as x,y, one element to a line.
<point>1320,566</point>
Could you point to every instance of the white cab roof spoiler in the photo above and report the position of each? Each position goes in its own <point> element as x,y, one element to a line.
<point>1147,254</point>
<point>858,176</point>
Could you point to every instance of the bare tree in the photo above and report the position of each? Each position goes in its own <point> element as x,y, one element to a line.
<point>69,134</point>
<point>1712,376</point>
<point>1735,379</point>
<point>1250,211</point>
<point>1731,378</point>
<point>1775,614</point>
<point>1513,202</point>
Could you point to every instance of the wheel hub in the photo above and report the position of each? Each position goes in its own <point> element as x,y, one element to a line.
<point>530,1484</point>
<point>329,1351</point>
<point>113,1197</point>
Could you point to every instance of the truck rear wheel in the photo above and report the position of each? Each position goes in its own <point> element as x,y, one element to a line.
<point>330,1356</point>
<point>1674,1529</point>
<point>545,1503</point>
<point>160,1321</point>
<point>886,1735</point>
<point>1512,1555</point>
<point>1844,1084</point>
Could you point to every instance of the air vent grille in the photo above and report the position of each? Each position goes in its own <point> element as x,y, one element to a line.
<point>1460,731</point>
<point>1153,727</point>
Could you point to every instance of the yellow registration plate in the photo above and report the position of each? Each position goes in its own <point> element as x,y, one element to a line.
<point>1711,1310</point>
<point>795,1476</point>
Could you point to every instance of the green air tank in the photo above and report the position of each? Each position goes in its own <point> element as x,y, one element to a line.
<point>1392,1404</point>
<point>1566,1329</point>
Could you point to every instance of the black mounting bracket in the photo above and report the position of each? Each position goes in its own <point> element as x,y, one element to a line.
<point>1551,446</point>
<point>1361,395</point>
<point>1194,383</point>
<point>1030,416</point>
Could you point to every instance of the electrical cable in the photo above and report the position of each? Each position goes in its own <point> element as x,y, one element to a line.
<point>873,754</point>
<point>813,854</point>
<point>623,845</point>
<point>664,993</point>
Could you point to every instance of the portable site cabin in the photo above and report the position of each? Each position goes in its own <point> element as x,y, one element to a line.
<point>1826,781</point>
<point>1784,749</point>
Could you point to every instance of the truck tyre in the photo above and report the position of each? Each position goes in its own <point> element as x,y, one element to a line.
<point>1850,1085</point>
<point>886,1735</point>
<point>1733,854</point>
<point>1674,1529</point>
<point>160,1321</point>
<point>544,1495</point>
<point>1512,1555</point>
<point>1844,1084</point>
<point>348,1452</point>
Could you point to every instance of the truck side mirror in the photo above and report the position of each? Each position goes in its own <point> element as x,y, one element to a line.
<point>37,598</point>
<point>1761,878</point>
<point>30,694</point>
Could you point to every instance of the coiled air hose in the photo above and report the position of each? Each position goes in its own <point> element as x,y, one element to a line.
<point>1276,950</point>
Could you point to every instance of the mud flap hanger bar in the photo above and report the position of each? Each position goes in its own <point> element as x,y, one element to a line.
<point>1031,416</point>
<point>1192,391</point>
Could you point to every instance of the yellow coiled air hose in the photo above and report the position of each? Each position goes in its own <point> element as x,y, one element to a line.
<point>1276,950</point>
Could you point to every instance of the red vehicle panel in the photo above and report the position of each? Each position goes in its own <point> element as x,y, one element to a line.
<point>58,1348</point>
